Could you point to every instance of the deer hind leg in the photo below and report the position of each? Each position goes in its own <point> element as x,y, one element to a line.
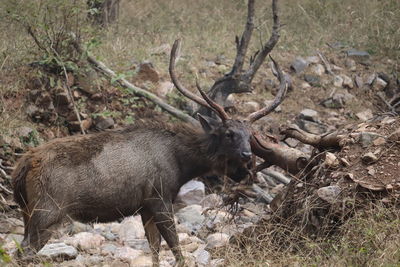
<point>164,220</point>
<point>152,234</point>
<point>39,224</point>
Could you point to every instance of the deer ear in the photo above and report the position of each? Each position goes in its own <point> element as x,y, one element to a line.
<point>208,124</point>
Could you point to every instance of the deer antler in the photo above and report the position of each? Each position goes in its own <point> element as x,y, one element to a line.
<point>217,108</point>
<point>278,99</point>
<point>206,102</point>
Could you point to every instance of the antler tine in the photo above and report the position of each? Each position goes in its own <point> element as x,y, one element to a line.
<point>213,105</point>
<point>278,99</point>
<point>175,80</point>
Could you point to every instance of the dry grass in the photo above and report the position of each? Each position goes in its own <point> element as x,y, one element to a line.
<point>370,238</point>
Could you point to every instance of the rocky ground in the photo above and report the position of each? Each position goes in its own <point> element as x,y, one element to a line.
<point>342,89</point>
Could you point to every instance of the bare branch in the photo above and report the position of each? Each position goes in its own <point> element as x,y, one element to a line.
<point>267,48</point>
<point>214,106</point>
<point>326,63</point>
<point>331,140</point>
<point>278,99</point>
<point>243,44</point>
<point>136,90</point>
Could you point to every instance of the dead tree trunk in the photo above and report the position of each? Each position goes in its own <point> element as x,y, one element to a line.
<point>103,12</point>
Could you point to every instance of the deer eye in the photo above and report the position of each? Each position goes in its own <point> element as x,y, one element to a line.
<point>229,134</point>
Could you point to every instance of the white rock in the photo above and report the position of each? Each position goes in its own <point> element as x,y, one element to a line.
<point>164,88</point>
<point>58,250</point>
<point>379,84</point>
<point>131,228</point>
<point>202,256</point>
<point>331,160</point>
<point>347,82</point>
<point>365,115</point>
<point>191,193</point>
<point>329,193</point>
<point>313,59</point>
<point>127,253</point>
<point>337,81</point>
<point>305,85</point>
<point>309,114</point>
<point>250,106</point>
<point>217,240</point>
<point>318,69</point>
<point>85,240</point>
<point>141,261</point>
<point>191,216</point>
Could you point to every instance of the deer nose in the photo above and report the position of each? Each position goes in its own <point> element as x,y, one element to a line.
<point>245,156</point>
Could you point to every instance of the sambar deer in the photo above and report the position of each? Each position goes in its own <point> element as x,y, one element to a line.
<point>104,176</point>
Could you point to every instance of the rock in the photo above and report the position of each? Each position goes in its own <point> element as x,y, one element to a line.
<point>191,217</point>
<point>318,69</point>
<point>379,141</point>
<point>370,79</point>
<point>329,193</point>
<point>139,244</point>
<point>369,158</point>
<point>86,240</point>
<point>202,256</point>
<point>91,260</point>
<point>147,72</point>
<point>395,136</point>
<point>191,193</point>
<point>58,250</point>
<point>108,249</point>
<point>250,106</point>
<point>102,123</point>
<point>337,81</point>
<point>309,115</point>
<point>379,84</point>
<point>127,253</point>
<point>216,217</point>
<point>331,160</point>
<point>299,65</point>
<point>366,138</point>
<point>359,81</point>
<point>365,115</point>
<point>305,85</point>
<point>350,64</point>
<point>338,100</point>
<point>131,228</point>
<point>222,68</point>
<point>88,81</point>
<point>359,56</point>
<point>211,201</point>
<point>33,111</point>
<point>164,88</point>
<point>217,240</point>
<point>313,59</point>
<point>142,261</point>
<point>77,227</point>
<point>311,127</point>
<point>312,79</point>
<point>347,82</point>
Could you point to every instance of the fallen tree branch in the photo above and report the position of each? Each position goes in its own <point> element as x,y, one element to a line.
<point>289,159</point>
<point>134,89</point>
<point>331,140</point>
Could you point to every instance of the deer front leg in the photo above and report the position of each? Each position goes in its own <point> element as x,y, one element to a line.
<point>152,234</point>
<point>164,220</point>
